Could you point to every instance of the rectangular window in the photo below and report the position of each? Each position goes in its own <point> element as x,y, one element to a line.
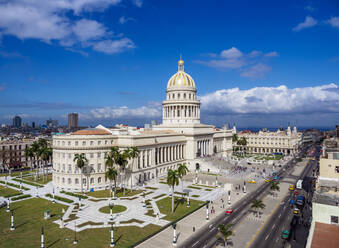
<point>84,143</point>
<point>63,155</point>
<point>76,143</point>
<point>99,142</point>
<point>99,155</point>
<point>334,219</point>
<point>69,168</point>
<point>69,155</point>
<point>337,169</point>
<point>99,167</point>
<point>106,142</point>
<point>69,143</point>
<point>91,155</point>
<point>91,143</point>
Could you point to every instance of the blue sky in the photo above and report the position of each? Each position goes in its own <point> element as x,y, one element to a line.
<point>256,63</point>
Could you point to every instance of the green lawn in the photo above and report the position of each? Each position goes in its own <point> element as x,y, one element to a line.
<point>28,219</point>
<point>15,174</point>
<point>39,179</point>
<point>180,208</point>
<point>116,209</point>
<point>118,193</point>
<point>7,192</point>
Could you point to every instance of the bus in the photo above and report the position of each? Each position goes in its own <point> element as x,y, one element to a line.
<point>299,184</point>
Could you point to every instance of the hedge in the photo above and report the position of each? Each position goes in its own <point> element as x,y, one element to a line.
<point>20,197</point>
<point>29,183</point>
<point>59,198</point>
<point>14,185</point>
<point>75,195</point>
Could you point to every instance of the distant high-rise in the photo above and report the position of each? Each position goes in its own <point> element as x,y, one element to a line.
<point>33,124</point>
<point>52,123</point>
<point>72,121</point>
<point>17,121</point>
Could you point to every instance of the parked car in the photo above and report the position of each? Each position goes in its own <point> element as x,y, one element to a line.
<point>296,192</point>
<point>291,187</point>
<point>300,200</point>
<point>252,181</point>
<point>296,211</point>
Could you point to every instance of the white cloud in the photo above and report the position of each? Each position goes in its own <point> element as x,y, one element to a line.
<point>59,21</point>
<point>123,19</point>
<point>272,100</point>
<point>272,54</point>
<point>256,71</point>
<point>124,112</point>
<point>138,3</point>
<point>309,22</point>
<point>231,53</point>
<point>252,64</point>
<point>310,8</point>
<point>334,22</point>
<point>113,46</point>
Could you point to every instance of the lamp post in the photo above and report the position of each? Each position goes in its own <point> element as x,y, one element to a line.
<point>229,197</point>
<point>12,221</point>
<point>75,233</point>
<point>42,238</point>
<point>61,223</point>
<point>112,237</point>
<point>143,199</point>
<point>207,212</point>
<point>244,187</point>
<point>188,199</point>
<point>174,234</point>
<point>216,181</point>
<point>36,192</point>
<point>6,181</point>
<point>21,184</point>
<point>111,210</point>
<point>53,196</point>
<point>79,203</point>
<point>8,207</point>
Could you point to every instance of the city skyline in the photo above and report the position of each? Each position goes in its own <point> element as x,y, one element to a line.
<point>248,70</point>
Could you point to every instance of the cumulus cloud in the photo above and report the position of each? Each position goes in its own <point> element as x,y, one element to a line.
<point>124,19</point>
<point>256,71</point>
<point>138,3</point>
<point>144,112</point>
<point>309,22</point>
<point>334,21</point>
<point>60,21</point>
<point>273,100</point>
<point>113,46</point>
<point>252,64</point>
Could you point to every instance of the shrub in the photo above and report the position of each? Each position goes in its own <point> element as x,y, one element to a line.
<point>73,194</point>
<point>59,198</point>
<point>20,197</point>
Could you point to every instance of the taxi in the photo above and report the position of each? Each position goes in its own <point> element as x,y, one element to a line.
<point>252,181</point>
<point>291,187</point>
<point>296,211</point>
<point>267,180</point>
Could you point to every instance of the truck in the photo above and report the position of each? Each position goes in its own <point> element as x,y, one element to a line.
<point>300,200</point>
<point>299,184</point>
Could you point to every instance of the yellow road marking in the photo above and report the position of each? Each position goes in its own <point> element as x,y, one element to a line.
<point>275,208</point>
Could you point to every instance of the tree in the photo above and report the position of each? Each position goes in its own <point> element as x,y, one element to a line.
<point>81,161</point>
<point>133,153</point>
<point>121,158</point>
<point>257,204</point>
<point>234,138</point>
<point>242,142</point>
<point>111,174</point>
<point>172,180</point>
<point>182,171</point>
<point>45,154</point>
<point>35,148</point>
<point>275,186</point>
<point>224,232</point>
<point>29,153</point>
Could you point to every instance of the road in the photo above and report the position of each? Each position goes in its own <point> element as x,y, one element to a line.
<point>206,237</point>
<point>270,235</point>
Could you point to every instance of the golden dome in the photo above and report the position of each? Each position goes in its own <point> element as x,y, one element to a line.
<point>180,62</point>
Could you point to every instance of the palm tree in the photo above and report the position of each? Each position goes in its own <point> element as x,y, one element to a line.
<point>172,180</point>
<point>234,138</point>
<point>182,171</point>
<point>242,142</point>
<point>121,159</point>
<point>35,148</point>
<point>81,161</point>
<point>45,155</point>
<point>133,153</point>
<point>257,204</point>
<point>111,175</point>
<point>224,232</point>
<point>275,186</point>
<point>29,153</point>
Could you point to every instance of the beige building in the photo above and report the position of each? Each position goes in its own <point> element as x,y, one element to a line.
<point>180,138</point>
<point>266,142</point>
<point>325,203</point>
<point>12,153</point>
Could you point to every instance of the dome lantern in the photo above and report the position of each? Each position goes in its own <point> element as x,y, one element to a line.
<point>181,79</point>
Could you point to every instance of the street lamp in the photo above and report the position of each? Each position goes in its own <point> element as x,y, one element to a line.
<point>188,199</point>
<point>112,237</point>
<point>12,221</point>
<point>75,233</point>
<point>42,238</point>
<point>174,234</point>
<point>79,203</point>
<point>244,187</point>
<point>143,199</point>
<point>111,204</point>
<point>53,196</point>
<point>8,207</point>
<point>229,197</point>
<point>207,212</point>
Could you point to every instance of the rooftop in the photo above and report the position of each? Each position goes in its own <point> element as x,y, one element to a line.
<point>91,131</point>
<point>324,236</point>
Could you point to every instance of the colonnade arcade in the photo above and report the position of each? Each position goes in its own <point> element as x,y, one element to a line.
<point>203,147</point>
<point>181,111</point>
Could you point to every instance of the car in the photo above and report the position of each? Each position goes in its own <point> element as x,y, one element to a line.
<point>296,192</point>
<point>252,181</point>
<point>267,180</point>
<point>229,211</point>
<point>296,211</point>
<point>291,187</point>
<point>285,234</point>
<point>275,178</point>
<point>294,221</point>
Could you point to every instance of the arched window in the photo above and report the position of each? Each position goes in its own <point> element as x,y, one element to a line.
<point>184,95</point>
<point>63,180</point>
<point>69,181</point>
<point>84,181</point>
<point>76,181</point>
<point>99,180</point>
<point>173,96</point>
<point>178,95</point>
<point>92,180</point>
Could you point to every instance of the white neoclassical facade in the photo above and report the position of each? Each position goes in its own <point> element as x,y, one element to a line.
<point>282,141</point>
<point>180,138</point>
